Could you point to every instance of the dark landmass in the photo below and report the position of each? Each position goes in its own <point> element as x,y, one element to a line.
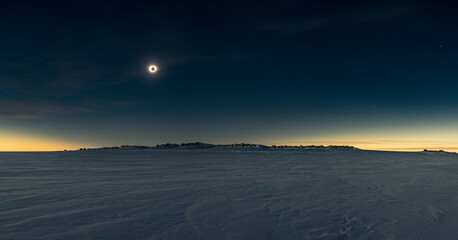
<point>199,145</point>
<point>247,146</point>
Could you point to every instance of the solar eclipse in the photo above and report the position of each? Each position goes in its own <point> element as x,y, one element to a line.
<point>152,69</point>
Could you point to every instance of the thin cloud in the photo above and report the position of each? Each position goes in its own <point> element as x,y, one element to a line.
<point>24,110</point>
<point>351,16</point>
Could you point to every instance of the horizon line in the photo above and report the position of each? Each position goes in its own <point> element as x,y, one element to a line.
<point>384,148</point>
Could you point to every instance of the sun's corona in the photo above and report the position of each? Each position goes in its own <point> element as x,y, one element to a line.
<point>152,68</point>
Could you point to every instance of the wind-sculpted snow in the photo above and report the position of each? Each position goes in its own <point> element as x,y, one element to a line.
<point>218,194</point>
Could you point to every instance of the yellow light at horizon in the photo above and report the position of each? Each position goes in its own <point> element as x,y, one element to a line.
<point>384,145</point>
<point>414,138</point>
<point>11,142</point>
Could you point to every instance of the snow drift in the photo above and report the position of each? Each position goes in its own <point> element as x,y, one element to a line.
<point>225,194</point>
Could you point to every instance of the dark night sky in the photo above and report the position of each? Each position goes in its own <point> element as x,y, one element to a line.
<point>74,73</point>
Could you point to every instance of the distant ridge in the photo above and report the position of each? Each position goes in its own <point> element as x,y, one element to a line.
<point>200,145</point>
<point>240,146</point>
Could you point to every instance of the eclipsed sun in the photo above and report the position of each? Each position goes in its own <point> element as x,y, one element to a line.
<point>152,69</point>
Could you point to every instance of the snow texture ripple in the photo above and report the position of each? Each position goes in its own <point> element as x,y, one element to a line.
<point>217,194</point>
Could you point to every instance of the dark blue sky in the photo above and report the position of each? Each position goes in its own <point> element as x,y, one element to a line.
<point>266,72</point>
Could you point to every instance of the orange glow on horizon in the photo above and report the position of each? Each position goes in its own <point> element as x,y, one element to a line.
<point>403,146</point>
<point>417,138</point>
<point>389,141</point>
<point>10,142</point>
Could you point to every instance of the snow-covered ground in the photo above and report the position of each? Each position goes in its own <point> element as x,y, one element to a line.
<point>228,194</point>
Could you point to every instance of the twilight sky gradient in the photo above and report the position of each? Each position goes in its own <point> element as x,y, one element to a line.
<point>374,75</point>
